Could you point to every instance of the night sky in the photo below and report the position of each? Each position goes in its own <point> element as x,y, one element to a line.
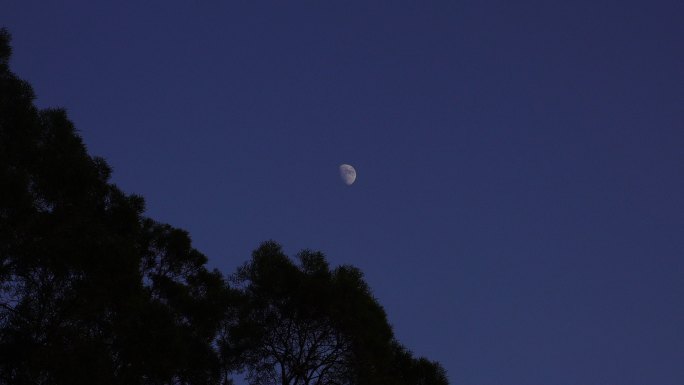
<point>518,209</point>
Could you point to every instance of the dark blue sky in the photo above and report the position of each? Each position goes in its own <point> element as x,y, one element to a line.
<point>519,204</point>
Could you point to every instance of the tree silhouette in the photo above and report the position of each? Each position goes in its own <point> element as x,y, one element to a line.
<point>91,291</point>
<point>305,324</point>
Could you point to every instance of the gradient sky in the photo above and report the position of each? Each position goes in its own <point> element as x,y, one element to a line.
<point>519,206</point>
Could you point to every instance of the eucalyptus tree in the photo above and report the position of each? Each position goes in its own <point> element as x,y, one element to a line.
<point>307,324</point>
<point>288,334</point>
<point>91,291</point>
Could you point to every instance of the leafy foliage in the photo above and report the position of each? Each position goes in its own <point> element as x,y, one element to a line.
<point>92,292</point>
<point>305,324</point>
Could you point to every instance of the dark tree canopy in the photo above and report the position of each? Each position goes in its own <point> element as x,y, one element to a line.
<point>94,292</point>
<point>305,324</point>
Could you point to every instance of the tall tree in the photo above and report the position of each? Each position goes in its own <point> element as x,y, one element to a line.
<point>91,291</point>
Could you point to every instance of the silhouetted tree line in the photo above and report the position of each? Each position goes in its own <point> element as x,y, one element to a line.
<point>94,292</point>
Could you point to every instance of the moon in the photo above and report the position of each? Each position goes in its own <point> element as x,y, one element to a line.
<point>348,174</point>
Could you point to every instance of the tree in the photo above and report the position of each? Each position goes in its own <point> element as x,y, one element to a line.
<point>305,324</point>
<point>91,291</point>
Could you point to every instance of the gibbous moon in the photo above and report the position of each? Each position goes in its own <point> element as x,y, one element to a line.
<point>348,174</point>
